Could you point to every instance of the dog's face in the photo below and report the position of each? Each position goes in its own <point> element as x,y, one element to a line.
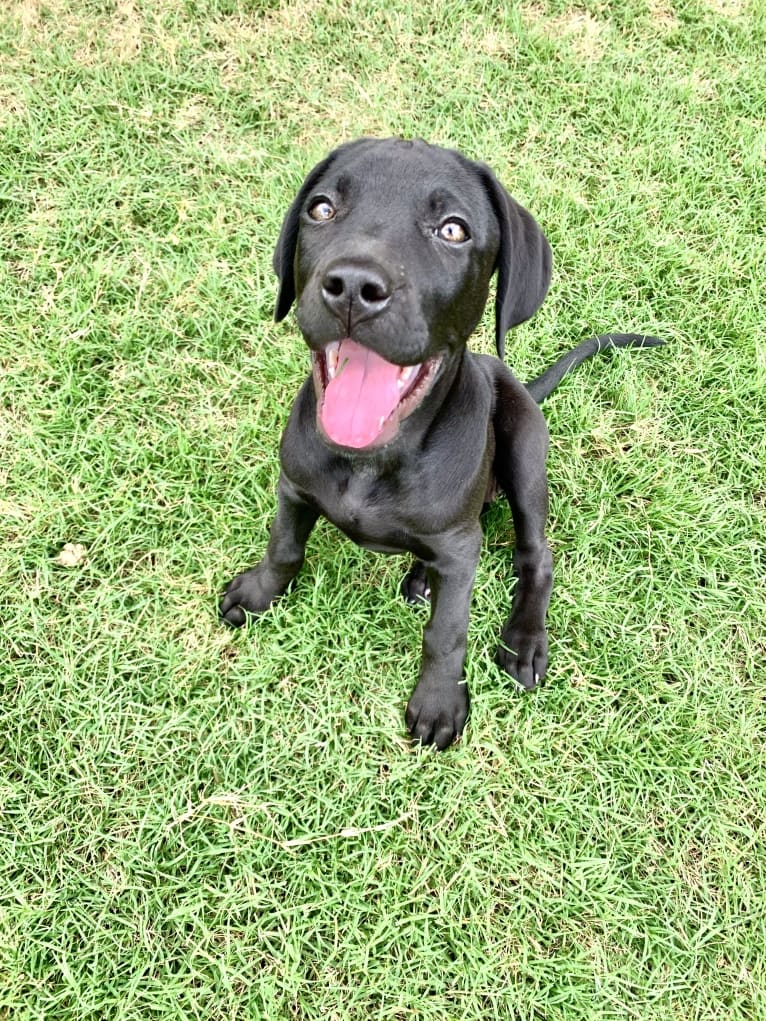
<point>389,249</point>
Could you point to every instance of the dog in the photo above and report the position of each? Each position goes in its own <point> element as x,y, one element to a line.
<point>400,436</point>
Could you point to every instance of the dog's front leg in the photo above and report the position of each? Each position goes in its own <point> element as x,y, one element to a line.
<point>523,649</point>
<point>255,590</point>
<point>438,708</point>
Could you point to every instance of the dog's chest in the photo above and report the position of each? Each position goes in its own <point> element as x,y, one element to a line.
<point>364,505</point>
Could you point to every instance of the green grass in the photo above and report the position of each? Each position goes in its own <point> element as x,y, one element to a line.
<point>204,824</point>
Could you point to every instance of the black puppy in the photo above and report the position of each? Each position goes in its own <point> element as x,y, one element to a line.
<point>400,436</point>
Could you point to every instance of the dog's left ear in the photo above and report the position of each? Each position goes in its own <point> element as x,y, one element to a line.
<point>284,254</point>
<point>523,261</point>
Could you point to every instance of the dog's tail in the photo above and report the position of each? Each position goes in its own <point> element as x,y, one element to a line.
<point>544,385</point>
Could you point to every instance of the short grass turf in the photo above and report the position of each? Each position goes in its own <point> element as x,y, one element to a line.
<point>198,823</point>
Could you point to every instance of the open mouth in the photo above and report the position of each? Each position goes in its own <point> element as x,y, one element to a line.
<point>362,398</point>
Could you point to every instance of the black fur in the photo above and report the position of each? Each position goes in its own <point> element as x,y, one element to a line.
<point>390,248</point>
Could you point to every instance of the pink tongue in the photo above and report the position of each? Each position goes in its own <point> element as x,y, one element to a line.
<point>360,398</point>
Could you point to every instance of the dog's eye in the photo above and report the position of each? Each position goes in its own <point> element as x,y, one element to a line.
<point>454,231</point>
<point>322,210</point>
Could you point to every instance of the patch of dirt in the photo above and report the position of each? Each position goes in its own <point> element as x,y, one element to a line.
<point>662,15</point>
<point>727,8</point>
<point>586,35</point>
<point>27,12</point>
<point>125,32</point>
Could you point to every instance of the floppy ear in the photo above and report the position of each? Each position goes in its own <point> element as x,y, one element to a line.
<point>523,261</point>
<point>284,253</point>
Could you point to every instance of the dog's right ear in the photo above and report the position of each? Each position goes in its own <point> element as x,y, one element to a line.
<point>284,254</point>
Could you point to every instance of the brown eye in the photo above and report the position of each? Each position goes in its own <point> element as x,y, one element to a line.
<point>453,231</point>
<point>322,210</point>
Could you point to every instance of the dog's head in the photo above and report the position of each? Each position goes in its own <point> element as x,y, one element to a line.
<point>389,248</point>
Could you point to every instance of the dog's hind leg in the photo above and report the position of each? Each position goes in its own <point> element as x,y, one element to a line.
<point>415,587</point>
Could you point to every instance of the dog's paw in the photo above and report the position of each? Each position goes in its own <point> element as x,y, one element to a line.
<point>436,713</point>
<point>247,593</point>
<point>415,587</point>
<point>523,654</point>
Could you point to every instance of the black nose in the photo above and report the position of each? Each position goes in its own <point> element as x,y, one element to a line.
<point>353,291</point>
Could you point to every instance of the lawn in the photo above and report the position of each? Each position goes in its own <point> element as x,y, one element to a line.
<point>198,823</point>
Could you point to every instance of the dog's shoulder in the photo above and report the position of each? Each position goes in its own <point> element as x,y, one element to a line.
<point>498,376</point>
<point>512,402</point>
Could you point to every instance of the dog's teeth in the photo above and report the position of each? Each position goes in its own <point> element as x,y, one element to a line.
<point>331,358</point>
<point>405,375</point>
<point>382,420</point>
